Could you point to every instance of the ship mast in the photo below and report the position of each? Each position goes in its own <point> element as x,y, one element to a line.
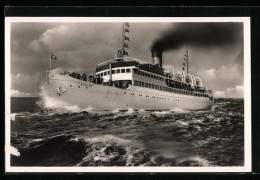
<point>187,59</point>
<point>125,38</point>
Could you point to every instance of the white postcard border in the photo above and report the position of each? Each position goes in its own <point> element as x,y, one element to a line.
<point>247,95</point>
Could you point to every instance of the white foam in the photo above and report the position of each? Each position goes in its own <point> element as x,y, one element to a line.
<point>13,116</point>
<point>109,139</point>
<point>141,111</point>
<point>130,111</point>
<point>178,110</point>
<point>115,111</point>
<point>59,105</point>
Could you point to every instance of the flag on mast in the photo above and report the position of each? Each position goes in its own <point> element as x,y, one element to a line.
<point>125,52</point>
<point>127,38</point>
<point>53,57</point>
<point>125,45</point>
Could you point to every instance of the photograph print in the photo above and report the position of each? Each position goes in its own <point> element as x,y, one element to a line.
<point>127,95</point>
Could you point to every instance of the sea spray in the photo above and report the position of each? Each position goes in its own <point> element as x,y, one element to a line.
<point>58,105</point>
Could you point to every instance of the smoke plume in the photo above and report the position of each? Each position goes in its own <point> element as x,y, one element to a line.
<point>200,34</point>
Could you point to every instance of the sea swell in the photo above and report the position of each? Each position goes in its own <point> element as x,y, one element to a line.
<point>61,136</point>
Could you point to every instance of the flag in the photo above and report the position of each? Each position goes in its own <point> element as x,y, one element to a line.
<point>127,24</point>
<point>125,53</point>
<point>126,30</point>
<point>125,45</point>
<point>53,57</point>
<point>127,38</point>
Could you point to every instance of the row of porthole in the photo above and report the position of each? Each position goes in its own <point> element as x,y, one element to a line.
<point>86,85</point>
<point>161,98</point>
<point>82,85</point>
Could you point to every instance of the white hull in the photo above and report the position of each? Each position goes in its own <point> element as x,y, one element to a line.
<point>85,94</point>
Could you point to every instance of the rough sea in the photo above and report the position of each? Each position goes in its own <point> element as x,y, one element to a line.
<point>47,133</point>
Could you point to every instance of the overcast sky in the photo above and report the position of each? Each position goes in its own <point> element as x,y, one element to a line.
<point>215,51</point>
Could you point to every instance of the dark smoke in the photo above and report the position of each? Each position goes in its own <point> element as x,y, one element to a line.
<point>200,34</point>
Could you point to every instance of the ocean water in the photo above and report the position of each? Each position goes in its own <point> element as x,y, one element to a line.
<point>47,133</point>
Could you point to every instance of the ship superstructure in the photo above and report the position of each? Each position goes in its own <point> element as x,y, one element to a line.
<point>125,82</point>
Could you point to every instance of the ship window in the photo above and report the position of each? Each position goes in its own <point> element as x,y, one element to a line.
<point>146,84</point>
<point>135,71</point>
<point>122,70</point>
<point>145,74</point>
<point>149,85</point>
<point>118,71</point>
<point>113,71</point>
<point>142,73</point>
<point>105,73</point>
<point>142,84</point>
<point>108,72</point>
<point>160,87</point>
<point>101,74</point>
<point>70,85</point>
<point>149,75</point>
<point>128,70</point>
<point>152,86</point>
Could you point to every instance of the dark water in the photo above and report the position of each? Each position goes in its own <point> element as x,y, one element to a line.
<point>70,136</point>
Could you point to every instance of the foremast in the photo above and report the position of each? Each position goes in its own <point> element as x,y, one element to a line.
<point>125,38</point>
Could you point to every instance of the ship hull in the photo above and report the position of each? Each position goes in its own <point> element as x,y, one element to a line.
<point>99,97</point>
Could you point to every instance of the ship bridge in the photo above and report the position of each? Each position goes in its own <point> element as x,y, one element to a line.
<point>129,69</point>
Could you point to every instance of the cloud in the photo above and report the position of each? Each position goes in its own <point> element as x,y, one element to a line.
<point>235,92</point>
<point>26,83</point>
<point>222,78</point>
<point>224,73</point>
<point>16,93</point>
<point>210,74</point>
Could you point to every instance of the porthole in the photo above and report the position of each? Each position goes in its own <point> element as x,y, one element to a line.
<point>70,85</point>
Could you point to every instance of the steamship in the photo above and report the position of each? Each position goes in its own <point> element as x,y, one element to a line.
<point>126,82</point>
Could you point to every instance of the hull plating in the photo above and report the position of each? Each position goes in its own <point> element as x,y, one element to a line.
<point>89,95</point>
